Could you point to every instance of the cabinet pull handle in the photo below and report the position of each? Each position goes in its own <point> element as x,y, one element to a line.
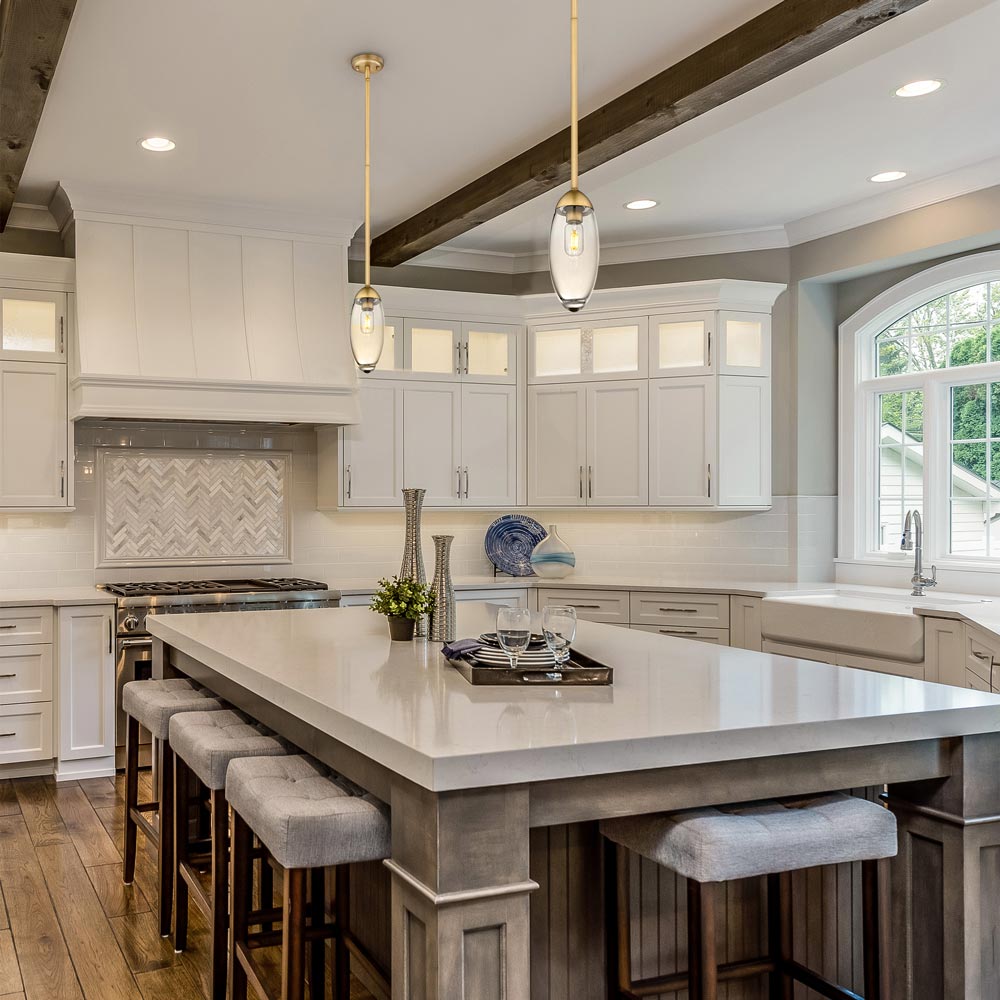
<point>458,473</point>
<point>709,480</point>
<point>62,335</point>
<point>6,676</point>
<point>348,471</point>
<point>8,734</point>
<point>458,358</point>
<point>681,611</point>
<point>590,482</point>
<point>62,480</point>
<point>709,348</point>
<point>581,482</point>
<point>111,637</point>
<point>466,369</point>
<point>678,631</point>
<point>981,656</point>
<point>8,626</point>
<point>466,482</point>
<point>587,607</point>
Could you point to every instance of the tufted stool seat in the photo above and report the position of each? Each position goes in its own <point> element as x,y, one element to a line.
<point>772,838</point>
<point>309,819</point>
<point>204,744</point>
<point>152,704</point>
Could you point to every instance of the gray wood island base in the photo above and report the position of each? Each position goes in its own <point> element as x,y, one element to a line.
<point>496,868</point>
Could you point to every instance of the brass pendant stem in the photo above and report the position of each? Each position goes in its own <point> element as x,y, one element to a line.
<point>368,173</point>
<point>574,156</point>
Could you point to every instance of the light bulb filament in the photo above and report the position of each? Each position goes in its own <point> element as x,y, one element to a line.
<point>367,318</point>
<point>573,241</point>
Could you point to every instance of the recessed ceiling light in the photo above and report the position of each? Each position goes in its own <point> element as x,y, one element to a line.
<point>888,175</point>
<point>157,144</point>
<point>919,88</point>
<point>640,203</point>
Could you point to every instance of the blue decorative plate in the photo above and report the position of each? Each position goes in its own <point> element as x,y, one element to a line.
<point>510,540</point>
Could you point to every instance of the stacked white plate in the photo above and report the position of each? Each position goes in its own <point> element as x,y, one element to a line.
<point>530,659</point>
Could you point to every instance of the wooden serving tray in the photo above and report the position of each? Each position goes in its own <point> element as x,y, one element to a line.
<point>580,670</point>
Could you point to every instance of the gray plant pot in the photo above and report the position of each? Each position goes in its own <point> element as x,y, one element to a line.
<point>400,629</point>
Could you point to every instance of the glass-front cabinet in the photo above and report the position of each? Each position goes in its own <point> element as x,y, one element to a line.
<point>710,343</point>
<point>566,352</point>
<point>32,325</point>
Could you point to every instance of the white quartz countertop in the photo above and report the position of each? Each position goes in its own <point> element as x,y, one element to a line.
<point>673,702</point>
<point>54,597</point>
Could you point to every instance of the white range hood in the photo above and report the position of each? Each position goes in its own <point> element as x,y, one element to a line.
<point>206,320</point>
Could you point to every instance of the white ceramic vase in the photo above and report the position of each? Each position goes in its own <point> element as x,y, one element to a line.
<point>552,558</point>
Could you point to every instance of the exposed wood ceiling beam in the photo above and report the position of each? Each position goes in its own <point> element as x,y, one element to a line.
<point>32,33</point>
<point>783,37</point>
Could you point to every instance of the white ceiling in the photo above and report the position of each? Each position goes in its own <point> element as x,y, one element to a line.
<point>266,111</point>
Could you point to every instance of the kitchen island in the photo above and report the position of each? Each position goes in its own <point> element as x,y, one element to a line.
<point>472,774</point>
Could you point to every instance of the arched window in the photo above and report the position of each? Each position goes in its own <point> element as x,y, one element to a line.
<point>920,420</point>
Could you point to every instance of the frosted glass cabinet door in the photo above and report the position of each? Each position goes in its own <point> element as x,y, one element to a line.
<point>432,442</point>
<point>432,348</point>
<point>682,441</point>
<point>32,325</point>
<point>618,444</point>
<point>489,352</point>
<point>489,445</point>
<point>391,362</point>
<point>681,344</point>
<point>373,458</point>
<point>33,435</point>
<point>745,347</point>
<point>615,349</point>
<point>557,445</point>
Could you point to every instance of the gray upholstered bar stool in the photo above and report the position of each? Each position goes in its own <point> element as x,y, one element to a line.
<point>309,819</point>
<point>773,838</point>
<point>203,745</point>
<point>152,704</point>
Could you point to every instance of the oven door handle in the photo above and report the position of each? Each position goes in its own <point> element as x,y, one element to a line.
<point>136,643</point>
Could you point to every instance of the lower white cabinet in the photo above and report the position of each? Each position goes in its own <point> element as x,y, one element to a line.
<point>458,442</point>
<point>26,733</point>
<point>86,689</point>
<point>33,435</point>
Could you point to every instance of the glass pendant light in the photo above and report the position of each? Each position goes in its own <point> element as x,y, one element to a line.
<point>574,250</point>
<point>367,317</point>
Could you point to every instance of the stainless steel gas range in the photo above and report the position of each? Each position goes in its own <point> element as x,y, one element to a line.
<point>137,601</point>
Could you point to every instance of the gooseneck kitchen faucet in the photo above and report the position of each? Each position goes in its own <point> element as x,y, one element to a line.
<point>913,539</point>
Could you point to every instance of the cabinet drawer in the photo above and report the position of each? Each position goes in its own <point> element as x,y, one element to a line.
<point>719,636</point>
<point>608,606</point>
<point>19,626</point>
<point>25,674</point>
<point>694,610</point>
<point>981,649</point>
<point>974,681</point>
<point>25,733</point>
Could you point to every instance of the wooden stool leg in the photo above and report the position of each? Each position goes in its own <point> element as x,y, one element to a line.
<point>342,955</point>
<point>875,929</point>
<point>131,797</point>
<point>266,895</point>
<point>703,978</point>
<point>220,891</point>
<point>240,902</point>
<point>317,948</point>
<point>779,934</point>
<point>182,780</point>
<point>165,854</point>
<point>293,939</point>
<point>617,920</point>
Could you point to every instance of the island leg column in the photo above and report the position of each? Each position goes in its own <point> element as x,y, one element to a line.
<point>946,879</point>
<point>460,890</point>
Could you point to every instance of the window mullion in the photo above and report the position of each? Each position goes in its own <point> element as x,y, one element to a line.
<point>937,485</point>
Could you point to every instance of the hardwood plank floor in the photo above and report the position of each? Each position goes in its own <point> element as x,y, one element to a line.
<point>69,928</point>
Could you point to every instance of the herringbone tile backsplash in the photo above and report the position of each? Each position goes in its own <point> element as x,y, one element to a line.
<point>168,507</point>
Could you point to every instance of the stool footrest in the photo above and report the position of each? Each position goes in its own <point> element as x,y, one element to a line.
<point>137,815</point>
<point>818,984</point>
<point>679,980</point>
<point>268,939</point>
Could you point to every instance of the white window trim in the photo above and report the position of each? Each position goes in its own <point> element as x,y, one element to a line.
<point>856,450</point>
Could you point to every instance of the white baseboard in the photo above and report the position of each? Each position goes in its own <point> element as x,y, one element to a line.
<point>78,770</point>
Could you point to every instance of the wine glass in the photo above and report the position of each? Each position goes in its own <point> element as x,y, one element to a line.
<point>514,632</point>
<point>559,629</point>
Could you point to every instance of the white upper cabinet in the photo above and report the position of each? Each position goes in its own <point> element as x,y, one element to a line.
<point>432,442</point>
<point>34,469</point>
<point>489,352</point>
<point>373,450</point>
<point>489,445</point>
<point>681,343</point>
<point>433,348</point>
<point>32,325</point>
<point>568,352</point>
<point>557,445</point>
<point>618,444</point>
<point>744,478</point>
<point>682,441</point>
<point>745,347</point>
<point>450,349</point>
<point>390,362</point>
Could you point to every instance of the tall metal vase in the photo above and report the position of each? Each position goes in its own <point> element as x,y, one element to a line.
<point>443,615</point>
<point>413,557</point>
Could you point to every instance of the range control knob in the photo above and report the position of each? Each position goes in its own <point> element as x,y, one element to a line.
<point>130,623</point>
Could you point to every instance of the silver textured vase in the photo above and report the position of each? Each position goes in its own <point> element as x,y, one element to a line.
<point>413,556</point>
<point>443,590</point>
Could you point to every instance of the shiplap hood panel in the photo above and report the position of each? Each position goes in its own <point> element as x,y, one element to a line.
<point>196,321</point>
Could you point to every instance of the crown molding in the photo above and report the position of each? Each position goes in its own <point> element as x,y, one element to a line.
<point>74,201</point>
<point>36,217</point>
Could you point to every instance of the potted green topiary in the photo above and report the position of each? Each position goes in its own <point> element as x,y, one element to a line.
<point>403,602</point>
